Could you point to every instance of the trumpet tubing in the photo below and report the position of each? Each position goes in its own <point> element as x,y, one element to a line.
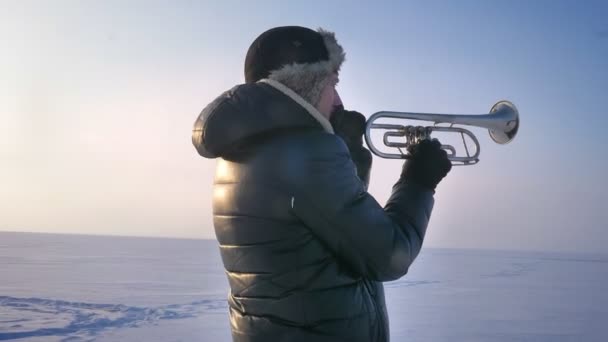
<point>502,123</point>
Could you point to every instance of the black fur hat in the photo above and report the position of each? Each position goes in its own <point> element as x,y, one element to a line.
<point>297,57</point>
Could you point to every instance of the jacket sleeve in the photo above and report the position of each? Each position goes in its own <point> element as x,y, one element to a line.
<point>374,242</point>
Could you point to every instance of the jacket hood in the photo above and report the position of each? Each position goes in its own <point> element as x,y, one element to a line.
<point>250,111</point>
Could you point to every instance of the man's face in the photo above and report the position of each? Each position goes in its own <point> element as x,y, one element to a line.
<point>329,97</point>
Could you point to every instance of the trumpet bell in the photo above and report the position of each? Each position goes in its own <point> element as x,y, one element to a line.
<point>506,111</point>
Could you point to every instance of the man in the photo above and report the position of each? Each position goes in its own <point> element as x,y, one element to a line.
<point>305,247</point>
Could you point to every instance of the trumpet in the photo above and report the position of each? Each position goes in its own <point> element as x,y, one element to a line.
<point>502,123</point>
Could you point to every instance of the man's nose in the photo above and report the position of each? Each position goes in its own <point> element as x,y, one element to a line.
<point>337,99</point>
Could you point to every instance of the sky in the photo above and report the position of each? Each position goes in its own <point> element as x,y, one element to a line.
<point>98,99</point>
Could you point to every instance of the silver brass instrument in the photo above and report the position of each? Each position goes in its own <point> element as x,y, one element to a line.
<point>502,123</point>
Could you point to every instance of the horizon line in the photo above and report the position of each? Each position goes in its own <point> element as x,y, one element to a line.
<point>214,239</point>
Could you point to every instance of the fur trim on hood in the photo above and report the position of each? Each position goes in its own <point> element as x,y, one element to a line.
<point>309,79</point>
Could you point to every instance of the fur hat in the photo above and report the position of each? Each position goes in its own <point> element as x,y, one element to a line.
<point>297,57</point>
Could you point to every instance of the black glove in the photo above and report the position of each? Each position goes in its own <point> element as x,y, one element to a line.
<point>350,126</point>
<point>428,164</point>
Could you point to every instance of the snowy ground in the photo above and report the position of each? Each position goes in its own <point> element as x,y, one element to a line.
<point>82,288</point>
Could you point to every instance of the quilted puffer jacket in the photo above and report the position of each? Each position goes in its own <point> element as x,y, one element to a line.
<point>305,246</point>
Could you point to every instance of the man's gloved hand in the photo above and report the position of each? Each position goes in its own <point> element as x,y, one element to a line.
<point>428,164</point>
<point>350,126</point>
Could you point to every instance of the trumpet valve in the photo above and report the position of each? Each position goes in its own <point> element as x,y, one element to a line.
<point>415,134</point>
